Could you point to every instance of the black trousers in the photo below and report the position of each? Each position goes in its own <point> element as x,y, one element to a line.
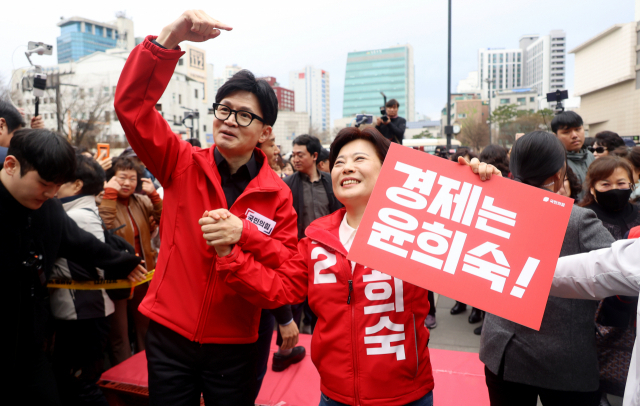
<point>505,393</point>
<point>432,303</point>
<point>180,370</point>
<point>265,335</point>
<point>78,360</point>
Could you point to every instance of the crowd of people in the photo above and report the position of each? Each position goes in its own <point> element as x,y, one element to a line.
<point>242,243</point>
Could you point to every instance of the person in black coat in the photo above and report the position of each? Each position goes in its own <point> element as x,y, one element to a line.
<point>609,184</point>
<point>34,232</point>
<point>392,126</point>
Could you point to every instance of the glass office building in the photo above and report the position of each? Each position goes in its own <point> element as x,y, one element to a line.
<point>80,37</point>
<point>388,70</point>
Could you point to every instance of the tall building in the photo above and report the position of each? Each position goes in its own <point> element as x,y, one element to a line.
<point>538,63</point>
<point>544,61</point>
<point>81,37</point>
<point>286,97</point>
<point>311,87</point>
<point>502,66</point>
<point>229,71</point>
<point>607,79</point>
<point>388,70</point>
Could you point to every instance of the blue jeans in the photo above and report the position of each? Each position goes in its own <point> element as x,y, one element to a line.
<point>426,400</point>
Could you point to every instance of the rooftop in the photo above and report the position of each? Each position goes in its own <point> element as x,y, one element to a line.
<point>85,20</point>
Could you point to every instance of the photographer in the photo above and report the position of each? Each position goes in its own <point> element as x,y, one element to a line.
<point>391,125</point>
<point>35,231</point>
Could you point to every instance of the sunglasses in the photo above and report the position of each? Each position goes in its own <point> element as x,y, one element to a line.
<point>599,150</point>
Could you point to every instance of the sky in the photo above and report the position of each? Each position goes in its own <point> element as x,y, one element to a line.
<point>276,37</point>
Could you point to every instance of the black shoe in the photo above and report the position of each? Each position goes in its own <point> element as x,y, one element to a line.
<point>459,308</point>
<point>478,330</point>
<point>282,362</point>
<point>475,316</point>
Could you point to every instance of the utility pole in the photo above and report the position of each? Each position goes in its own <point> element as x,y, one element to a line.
<point>490,81</point>
<point>448,130</point>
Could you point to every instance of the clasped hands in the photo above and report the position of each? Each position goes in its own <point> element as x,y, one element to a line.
<point>221,230</point>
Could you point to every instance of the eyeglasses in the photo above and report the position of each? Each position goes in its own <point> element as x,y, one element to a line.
<point>599,150</point>
<point>243,118</point>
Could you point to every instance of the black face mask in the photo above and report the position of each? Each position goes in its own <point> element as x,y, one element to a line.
<point>614,199</point>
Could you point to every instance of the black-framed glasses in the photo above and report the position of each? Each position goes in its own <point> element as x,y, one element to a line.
<point>599,150</point>
<point>243,118</point>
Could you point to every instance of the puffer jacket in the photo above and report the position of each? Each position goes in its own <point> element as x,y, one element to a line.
<point>370,343</point>
<point>115,214</point>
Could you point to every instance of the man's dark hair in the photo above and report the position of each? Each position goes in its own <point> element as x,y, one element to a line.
<point>392,103</point>
<point>45,152</point>
<point>535,157</point>
<point>609,140</point>
<point>346,135</point>
<point>89,171</point>
<point>312,143</point>
<point>245,81</point>
<point>496,155</point>
<point>194,142</point>
<point>566,120</point>
<point>11,115</point>
<point>323,155</point>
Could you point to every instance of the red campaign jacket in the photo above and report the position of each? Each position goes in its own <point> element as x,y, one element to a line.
<point>370,343</point>
<point>186,294</point>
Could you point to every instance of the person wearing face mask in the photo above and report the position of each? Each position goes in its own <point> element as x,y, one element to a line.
<point>609,185</point>
<point>559,362</point>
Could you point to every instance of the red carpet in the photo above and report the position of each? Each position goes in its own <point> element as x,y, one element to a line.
<point>459,381</point>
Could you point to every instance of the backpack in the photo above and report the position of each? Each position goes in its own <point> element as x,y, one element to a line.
<point>121,245</point>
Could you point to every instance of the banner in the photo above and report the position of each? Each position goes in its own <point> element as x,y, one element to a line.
<point>492,245</point>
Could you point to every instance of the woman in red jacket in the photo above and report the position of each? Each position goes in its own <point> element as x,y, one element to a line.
<point>370,343</point>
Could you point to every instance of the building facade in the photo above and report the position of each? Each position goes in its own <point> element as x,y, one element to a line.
<point>313,95</point>
<point>89,98</point>
<point>288,126</point>
<point>387,70</point>
<point>81,37</point>
<point>607,79</point>
<point>544,61</point>
<point>524,99</point>
<point>286,97</point>
<point>501,66</point>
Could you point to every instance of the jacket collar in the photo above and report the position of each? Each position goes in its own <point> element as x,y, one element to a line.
<point>78,202</point>
<point>325,230</point>
<point>251,165</point>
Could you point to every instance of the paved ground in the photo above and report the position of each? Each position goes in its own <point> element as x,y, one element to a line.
<point>455,333</point>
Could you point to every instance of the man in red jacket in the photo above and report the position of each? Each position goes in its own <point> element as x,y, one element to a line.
<point>202,334</point>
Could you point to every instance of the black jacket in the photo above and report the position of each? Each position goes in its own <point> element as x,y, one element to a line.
<point>295,184</point>
<point>47,232</point>
<point>394,129</point>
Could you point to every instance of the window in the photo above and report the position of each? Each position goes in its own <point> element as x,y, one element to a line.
<point>532,99</point>
<point>522,101</point>
<point>180,62</point>
<point>115,116</point>
<point>113,90</point>
<point>637,79</point>
<point>174,119</point>
<point>179,99</point>
<point>196,92</point>
<point>505,101</point>
<point>462,115</point>
<point>90,92</point>
<point>81,93</point>
<point>204,128</point>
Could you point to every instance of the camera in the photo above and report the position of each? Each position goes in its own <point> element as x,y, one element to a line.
<point>39,84</point>
<point>383,113</point>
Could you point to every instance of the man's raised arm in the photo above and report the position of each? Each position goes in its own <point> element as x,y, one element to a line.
<point>142,82</point>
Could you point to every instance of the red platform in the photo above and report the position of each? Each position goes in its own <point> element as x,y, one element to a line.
<point>459,381</point>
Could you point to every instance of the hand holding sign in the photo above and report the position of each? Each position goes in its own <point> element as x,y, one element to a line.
<point>492,245</point>
<point>192,25</point>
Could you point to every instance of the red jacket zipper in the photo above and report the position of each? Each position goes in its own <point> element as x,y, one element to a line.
<point>354,334</point>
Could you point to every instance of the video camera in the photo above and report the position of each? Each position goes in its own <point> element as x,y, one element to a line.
<point>383,109</point>
<point>558,96</point>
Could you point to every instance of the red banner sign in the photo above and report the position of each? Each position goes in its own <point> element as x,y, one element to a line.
<point>492,245</point>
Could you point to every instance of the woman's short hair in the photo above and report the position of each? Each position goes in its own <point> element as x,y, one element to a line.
<point>600,169</point>
<point>346,135</point>
<point>609,140</point>
<point>392,103</point>
<point>461,152</point>
<point>124,164</point>
<point>535,157</point>
<point>497,156</point>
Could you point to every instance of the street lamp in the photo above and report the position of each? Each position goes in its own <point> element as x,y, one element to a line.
<point>489,82</point>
